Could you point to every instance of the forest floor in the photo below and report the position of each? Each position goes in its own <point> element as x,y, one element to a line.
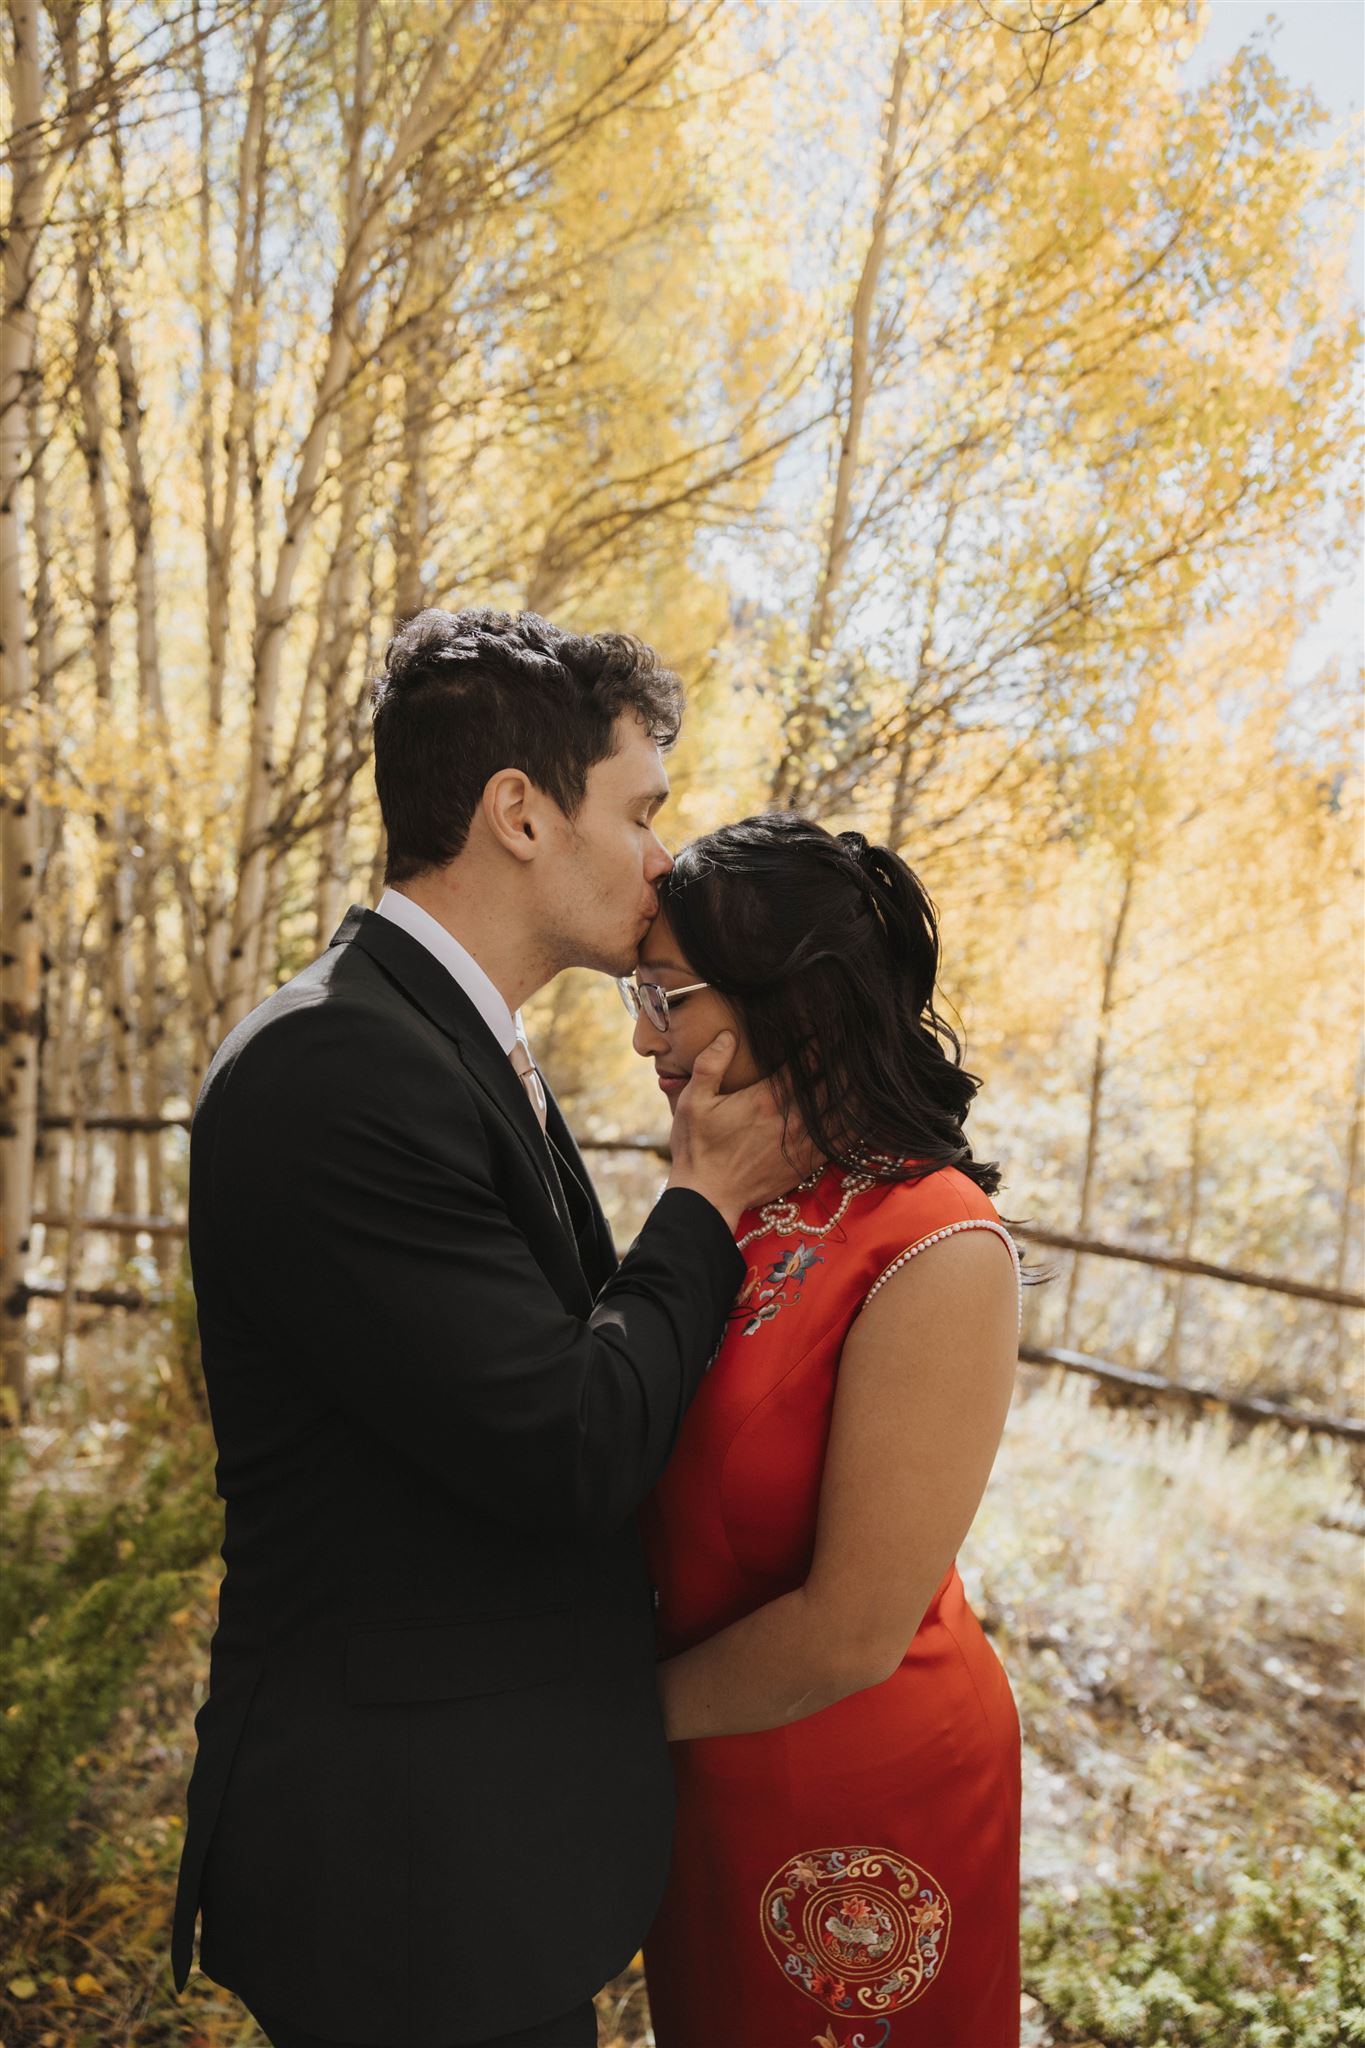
<point>1182,1633</point>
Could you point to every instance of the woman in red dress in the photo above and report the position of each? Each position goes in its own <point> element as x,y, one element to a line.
<point>846,1863</point>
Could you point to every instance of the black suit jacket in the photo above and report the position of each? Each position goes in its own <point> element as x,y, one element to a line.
<point>432,1799</point>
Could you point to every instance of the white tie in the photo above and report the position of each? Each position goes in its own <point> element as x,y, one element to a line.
<point>525,1067</point>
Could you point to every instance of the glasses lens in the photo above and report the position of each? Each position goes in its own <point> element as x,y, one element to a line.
<point>626,990</point>
<point>654,1003</point>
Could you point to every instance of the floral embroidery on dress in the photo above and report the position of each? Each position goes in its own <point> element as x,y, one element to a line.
<point>766,1291</point>
<point>829,2039</point>
<point>861,1931</point>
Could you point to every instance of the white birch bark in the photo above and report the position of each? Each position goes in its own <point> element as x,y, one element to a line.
<point>1099,1067</point>
<point>20,937</point>
<point>111,825</point>
<point>839,532</point>
<point>418,127</point>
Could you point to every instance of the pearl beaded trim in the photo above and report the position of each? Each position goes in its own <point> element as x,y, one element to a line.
<point>966,1223</point>
<point>784,1216</point>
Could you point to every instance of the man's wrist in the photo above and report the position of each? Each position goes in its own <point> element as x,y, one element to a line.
<point>729,1215</point>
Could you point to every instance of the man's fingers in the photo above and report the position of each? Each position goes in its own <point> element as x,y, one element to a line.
<point>710,1064</point>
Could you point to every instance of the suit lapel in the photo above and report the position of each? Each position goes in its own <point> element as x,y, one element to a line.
<point>439,997</point>
<point>595,1245</point>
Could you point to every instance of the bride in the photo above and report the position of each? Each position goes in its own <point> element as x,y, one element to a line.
<point>846,1746</point>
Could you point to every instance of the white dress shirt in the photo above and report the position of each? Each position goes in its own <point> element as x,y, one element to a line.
<point>461,965</point>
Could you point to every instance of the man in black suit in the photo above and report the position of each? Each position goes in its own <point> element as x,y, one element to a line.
<point>432,1799</point>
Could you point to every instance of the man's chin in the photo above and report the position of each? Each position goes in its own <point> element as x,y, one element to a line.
<point>629,958</point>
<point>603,960</point>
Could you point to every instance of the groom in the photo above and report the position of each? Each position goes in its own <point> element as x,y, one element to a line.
<point>432,1799</point>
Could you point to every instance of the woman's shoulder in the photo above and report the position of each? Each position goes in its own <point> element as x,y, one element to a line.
<point>901,1218</point>
<point>942,1195</point>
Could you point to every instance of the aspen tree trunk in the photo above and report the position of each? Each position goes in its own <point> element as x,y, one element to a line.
<point>334,870</point>
<point>71,1095</point>
<point>44,609</point>
<point>220,524</point>
<point>111,824</point>
<point>377,866</point>
<point>418,127</point>
<point>412,518</point>
<point>839,534</point>
<point>196,934</point>
<point>421,378</point>
<point>90,434</point>
<point>298,748</point>
<point>312,708</point>
<point>55,1054</point>
<point>1346,1236</point>
<point>1193,1205</point>
<point>1098,1070</point>
<point>334,636</point>
<point>20,937</point>
<point>334,866</point>
<point>49,823</point>
<point>220,514</point>
<point>143,851</point>
<point>53,1169</point>
<point>899,816</point>
<point>131,410</point>
<point>77,1203</point>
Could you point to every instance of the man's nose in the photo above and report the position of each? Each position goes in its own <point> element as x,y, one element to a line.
<point>660,861</point>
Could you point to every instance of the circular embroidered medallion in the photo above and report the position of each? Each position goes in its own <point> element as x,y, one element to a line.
<point>859,1930</point>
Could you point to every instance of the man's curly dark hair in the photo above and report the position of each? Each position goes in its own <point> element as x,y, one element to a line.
<point>464,694</point>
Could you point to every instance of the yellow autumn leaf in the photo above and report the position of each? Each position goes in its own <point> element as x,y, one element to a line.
<point>21,1987</point>
<point>88,1986</point>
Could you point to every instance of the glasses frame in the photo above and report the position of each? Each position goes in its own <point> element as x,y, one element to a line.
<point>639,998</point>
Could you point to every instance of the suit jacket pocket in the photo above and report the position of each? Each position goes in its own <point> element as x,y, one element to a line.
<point>459,1659</point>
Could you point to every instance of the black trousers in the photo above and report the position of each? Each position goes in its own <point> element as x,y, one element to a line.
<point>576,2029</point>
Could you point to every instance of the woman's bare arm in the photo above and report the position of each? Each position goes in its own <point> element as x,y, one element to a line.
<point>923,1392</point>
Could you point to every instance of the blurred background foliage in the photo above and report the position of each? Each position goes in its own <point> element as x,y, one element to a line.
<point>966,402</point>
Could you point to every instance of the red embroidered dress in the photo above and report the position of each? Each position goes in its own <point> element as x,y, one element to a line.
<point>852,1879</point>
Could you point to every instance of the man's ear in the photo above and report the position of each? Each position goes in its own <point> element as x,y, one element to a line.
<point>513,810</point>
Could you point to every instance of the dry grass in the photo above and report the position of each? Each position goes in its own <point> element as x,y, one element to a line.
<point>1183,1637</point>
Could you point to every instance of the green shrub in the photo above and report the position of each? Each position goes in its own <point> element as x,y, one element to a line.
<point>85,1588</point>
<point>1278,1963</point>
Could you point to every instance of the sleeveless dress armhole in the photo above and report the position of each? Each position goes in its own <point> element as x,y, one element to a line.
<point>935,1237</point>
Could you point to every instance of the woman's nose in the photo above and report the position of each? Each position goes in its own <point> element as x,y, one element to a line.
<point>646,1040</point>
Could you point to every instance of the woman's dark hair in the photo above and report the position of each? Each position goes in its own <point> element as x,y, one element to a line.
<point>827,950</point>
<point>464,694</point>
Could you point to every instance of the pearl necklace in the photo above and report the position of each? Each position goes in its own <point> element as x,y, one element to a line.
<point>783,1217</point>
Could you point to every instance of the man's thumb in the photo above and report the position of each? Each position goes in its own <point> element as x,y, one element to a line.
<point>711,1063</point>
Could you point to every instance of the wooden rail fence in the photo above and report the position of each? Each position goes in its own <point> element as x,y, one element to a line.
<point>1128,1380</point>
<point>1124,1380</point>
<point>1100,1248</point>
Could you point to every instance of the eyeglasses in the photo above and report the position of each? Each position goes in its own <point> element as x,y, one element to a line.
<point>647,999</point>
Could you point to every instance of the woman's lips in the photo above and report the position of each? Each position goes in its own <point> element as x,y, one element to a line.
<point>673,1084</point>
